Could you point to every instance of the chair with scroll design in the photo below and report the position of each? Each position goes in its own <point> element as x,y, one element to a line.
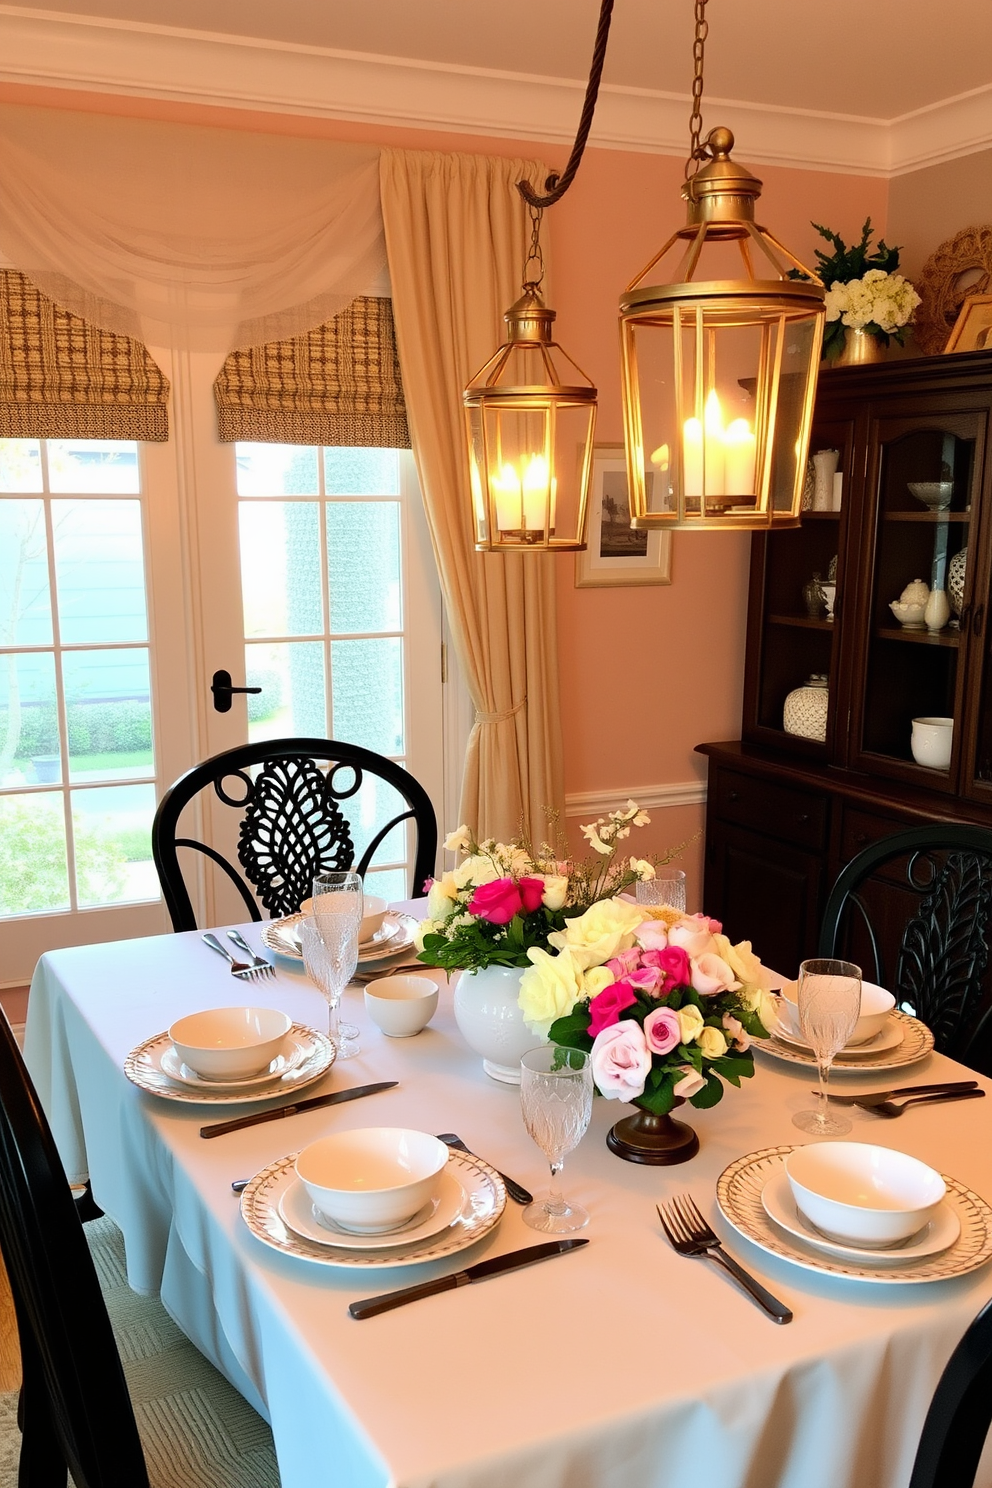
<point>292,825</point>
<point>943,871</point>
<point>960,1413</point>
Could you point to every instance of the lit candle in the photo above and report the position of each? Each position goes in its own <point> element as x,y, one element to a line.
<point>692,457</point>
<point>739,453</point>
<point>713,448</point>
<point>507,496</point>
<point>536,494</point>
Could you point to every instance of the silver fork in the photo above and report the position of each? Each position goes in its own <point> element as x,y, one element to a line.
<point>263,967</point>
<point>240,969</point>
<point>690,1235</point>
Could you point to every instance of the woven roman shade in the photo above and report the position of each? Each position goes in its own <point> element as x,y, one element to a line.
<point>339,384</point>
<point>63,378</point>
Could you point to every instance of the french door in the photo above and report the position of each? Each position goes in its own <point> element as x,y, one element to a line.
<point>129,575</point>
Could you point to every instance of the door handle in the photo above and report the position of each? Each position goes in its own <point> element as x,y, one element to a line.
<point>224,691</point>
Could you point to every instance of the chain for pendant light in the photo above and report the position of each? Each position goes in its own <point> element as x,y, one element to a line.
<point>534,252</point>
<point>697,152</point>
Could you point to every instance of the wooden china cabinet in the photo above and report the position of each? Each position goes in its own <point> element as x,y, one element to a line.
<point>784,813</point>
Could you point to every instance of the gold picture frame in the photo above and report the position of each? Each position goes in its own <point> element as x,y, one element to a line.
<point>616,554</point>
<point>972,331</point>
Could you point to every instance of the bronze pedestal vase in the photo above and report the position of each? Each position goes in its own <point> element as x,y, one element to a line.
<point>657,1141</point>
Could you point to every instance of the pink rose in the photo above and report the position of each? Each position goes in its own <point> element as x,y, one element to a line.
<point>675,968</point>
<point>606,1006</point>
<point>651,934</point>
<point>693,934</point>
<point>662,1030</point>
<point>620,1061</point>
<point>690,1084</point>
<point>711,975</point>
<point>496,902</point>
<point>738,1038</point>
<point>531,892</point>
<point>648,980</point>
<point>624,963</point>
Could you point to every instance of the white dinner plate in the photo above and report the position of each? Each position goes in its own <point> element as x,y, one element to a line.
<point>485,1200</point>
<point>300,1213</point>
<point>398,930</point>
<point>938,1234</point>
<point>739,1189</point>
<point>143,1067</point>
<point>293,1052</point>
<point>917,1042</point>
<point>891,1036</point>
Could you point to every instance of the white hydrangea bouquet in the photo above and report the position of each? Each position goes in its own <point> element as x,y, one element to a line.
<point>662,1000</point>
<point>863,291</point>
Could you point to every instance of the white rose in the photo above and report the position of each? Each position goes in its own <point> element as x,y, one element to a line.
<point>555,891</point>
<point>475,871</point>
<point>740,958</point>
<point>595,979</point>
<point>691,1082</point>
<point>711,975</point>
<point>458,840</point>
<point>442,896</point>
<point>426,927</point>
<point>549,989</point>
<point>693,934</point>
<point>712,1043</point>
<point>604,929</point>
<point>690,1023</point>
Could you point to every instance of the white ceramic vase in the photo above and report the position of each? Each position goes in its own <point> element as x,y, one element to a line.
<point>490,1020</point>
<point>938,611</point>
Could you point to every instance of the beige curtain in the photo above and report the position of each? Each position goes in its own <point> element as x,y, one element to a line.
<point>456,232</point>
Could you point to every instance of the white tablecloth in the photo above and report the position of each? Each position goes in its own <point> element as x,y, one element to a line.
<point>621,1366</point>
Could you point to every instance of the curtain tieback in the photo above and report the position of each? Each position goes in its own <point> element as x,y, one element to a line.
<point>501,717</point>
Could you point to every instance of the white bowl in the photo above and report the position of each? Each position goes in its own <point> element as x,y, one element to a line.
<point>863,1195</point>
<point>876,1005</point>
<point>374,1179</point>
<point>373,914</point>
<point>401,1005</point>
<point>230,1043</point>
<point>931,742</point>
<point>937,495</point>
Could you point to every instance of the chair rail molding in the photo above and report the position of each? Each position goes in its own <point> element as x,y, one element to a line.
<point>104,55</point>
<point>651,797</point>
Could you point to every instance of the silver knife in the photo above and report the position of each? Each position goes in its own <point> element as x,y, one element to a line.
<point>512,1262</point>
<point>879,1095</point>
<point>218,1128</point>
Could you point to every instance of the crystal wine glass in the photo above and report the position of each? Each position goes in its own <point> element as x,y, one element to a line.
<point>335,895</point>
<point>556,1101</point>
<point>829,1006</point>
<point>667,887</point>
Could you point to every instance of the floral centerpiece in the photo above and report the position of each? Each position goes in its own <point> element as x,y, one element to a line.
<point>864,293</point>
<point>663,1002</point>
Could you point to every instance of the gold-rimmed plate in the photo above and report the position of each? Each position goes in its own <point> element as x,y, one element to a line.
<point>143,1067</point>
<point>739,1189</point>
<point>916,1043</point>
<point>282,936</point>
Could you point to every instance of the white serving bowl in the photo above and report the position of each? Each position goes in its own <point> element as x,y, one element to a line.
<point>401,1005</point>
<point>863,1195</point>
<point>373,914</point>
<point>931,742</point>
<point>374,1179</point>
<point>230,1043</point>
<point>937,495</point>
<point>876,1005</point>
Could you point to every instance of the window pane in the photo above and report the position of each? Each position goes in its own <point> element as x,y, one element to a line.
<point>111,831</point>
<point>367,683</point>
<point>280,568</point>
<point>367,813</point>
<point>29,729</point>
<point>20,465</point>
<point>363,564</point>
<point>392,885</point>
<point>99,571</point>
<point>276,470</point>
<point>292,702</point>
<point>25,603</point>
<point>33,872</point>
<point>361,472</point>
<point>109,714</point>
<point>101,465</point>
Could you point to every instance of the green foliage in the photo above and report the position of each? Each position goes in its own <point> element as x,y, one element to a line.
<point>481,943</point>
<point>94,728</point>
<point>33,863</point>
<point>845,264</point>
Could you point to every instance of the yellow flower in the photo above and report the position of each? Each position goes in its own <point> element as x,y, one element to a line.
<point>690,1023</point>
<point>712,1042</point>
<point>604,929</point>
<point>740,958</point>
<point>426,927</point>
<point>549,989</point>
<point>441,896</point>
<point>555,890</point>
<point>595,979</point>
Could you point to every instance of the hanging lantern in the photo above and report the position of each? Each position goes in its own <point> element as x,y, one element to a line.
<point>531,416</point>
<point>719,374</point>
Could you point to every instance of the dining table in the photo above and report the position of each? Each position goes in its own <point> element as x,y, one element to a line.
<point>620,1365</point>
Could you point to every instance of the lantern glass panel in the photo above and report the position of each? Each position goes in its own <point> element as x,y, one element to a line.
<point>792,407</point>
<point>477,471</point>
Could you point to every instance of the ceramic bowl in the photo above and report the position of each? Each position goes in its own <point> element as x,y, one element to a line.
<point>908,615</point>
<point>230,1043</point>
<point>374,1179</point>
<point>937,495</point>
<point>373,914</point>
<point>931,742</point>
<point>863,1195</point>
<point>401,1005</point>
<point>876,1005</point>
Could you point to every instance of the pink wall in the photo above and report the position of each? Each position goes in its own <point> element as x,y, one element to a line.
<point>645,673</point>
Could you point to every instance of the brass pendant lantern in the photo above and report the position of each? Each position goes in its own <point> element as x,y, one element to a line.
<point>719,373</point>
<point>531,417</point>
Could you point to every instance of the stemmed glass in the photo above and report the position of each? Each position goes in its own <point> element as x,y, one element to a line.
<point>667,887</point>
<point>330,947</point>
<point>556,1101</point>
<point>829,1006</point>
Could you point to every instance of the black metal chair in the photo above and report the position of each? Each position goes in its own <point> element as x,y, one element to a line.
<point>75,1411</point>
<point>292,826</point>
<point>960,1413</point>
<point>942,897</point>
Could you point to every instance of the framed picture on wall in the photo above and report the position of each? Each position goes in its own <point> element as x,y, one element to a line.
<point>973,328</point>
<point>617,554</point>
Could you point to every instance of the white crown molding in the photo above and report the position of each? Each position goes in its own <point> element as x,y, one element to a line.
<point>96,54</point>
<point>596,803</point>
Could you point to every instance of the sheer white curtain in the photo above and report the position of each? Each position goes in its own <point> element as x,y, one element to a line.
<point>205,239</point>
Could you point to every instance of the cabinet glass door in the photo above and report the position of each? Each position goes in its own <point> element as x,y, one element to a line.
<point>913,695</point>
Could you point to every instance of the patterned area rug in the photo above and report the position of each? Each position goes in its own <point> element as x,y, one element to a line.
<point>196,1429</point>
